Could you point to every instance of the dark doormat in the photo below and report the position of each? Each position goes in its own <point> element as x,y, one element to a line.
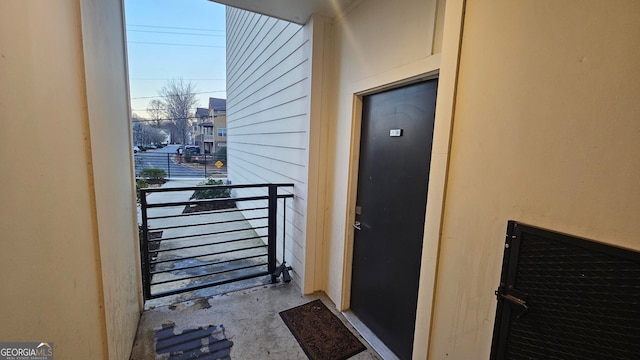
<point>320,333</point>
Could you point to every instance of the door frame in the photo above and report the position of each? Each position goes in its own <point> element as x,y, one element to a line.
<point>445,66</point>
<point>421,329</point>
<point>354,162</point>
<point>435,194</point>
<point>425,83</point>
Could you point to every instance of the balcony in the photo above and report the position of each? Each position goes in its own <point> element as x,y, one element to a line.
<point>212,282</point>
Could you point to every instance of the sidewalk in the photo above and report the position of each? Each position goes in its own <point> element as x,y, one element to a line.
<point>155,198</point>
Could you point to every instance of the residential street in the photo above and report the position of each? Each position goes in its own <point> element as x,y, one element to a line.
<point>164,159</point>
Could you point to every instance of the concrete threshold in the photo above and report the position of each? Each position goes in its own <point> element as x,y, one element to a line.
<point>369,336</point>
<point>246,324</point>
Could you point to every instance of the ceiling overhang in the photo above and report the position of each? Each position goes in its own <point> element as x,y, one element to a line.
<point>296,11</point>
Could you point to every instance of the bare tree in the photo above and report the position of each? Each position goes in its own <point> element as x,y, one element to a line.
<point>179,98</point>
<point>155,109</point>
<point>144,135</point>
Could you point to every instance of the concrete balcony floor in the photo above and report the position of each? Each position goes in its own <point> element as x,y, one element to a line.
<point>247,323</point>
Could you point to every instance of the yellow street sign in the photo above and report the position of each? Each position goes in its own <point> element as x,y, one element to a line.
<point>218,164</point>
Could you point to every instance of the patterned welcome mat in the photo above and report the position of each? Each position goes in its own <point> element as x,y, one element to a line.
<point>320,333</point>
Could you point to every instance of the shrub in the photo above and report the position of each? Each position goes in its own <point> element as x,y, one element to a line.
<point>211,193</point>
<point>153,176</point>
<point>140,184</point>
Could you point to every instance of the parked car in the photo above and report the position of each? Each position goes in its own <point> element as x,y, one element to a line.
<point>136,149</point>
<point>193,148</point>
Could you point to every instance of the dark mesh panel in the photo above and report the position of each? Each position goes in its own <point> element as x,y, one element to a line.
<point>584,304</point>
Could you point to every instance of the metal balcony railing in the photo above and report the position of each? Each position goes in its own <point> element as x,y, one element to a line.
<point>189,244</point>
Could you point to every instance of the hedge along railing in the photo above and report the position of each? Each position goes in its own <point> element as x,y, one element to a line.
<point>184,165</point>
<point>184,250</point>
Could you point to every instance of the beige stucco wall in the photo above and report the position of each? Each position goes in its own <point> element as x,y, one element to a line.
<point>105,63</point>
<point>321,110</point>
<point>545,132</point>
<point>64,233</point>
<point>377,43</point>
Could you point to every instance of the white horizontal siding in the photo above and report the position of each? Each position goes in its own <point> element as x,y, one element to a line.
<point>293,155</point>
<point>267,125</point>
<point>268,116</point>
<point>293,107</point>
<point>261,47</point>
<point>292,63</point>
<point>272,168</point>
<point>282,98</point>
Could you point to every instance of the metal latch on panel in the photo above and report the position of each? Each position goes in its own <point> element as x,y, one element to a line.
<point>514,297</point>
<point>395,132</point>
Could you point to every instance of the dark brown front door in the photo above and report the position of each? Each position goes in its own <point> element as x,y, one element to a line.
<point>395,155</point>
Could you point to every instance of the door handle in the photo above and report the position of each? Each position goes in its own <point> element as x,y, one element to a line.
<point>356,225</point>
<point>515,297</point>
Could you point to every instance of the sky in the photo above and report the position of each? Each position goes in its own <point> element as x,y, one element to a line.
<point>175,39</point>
